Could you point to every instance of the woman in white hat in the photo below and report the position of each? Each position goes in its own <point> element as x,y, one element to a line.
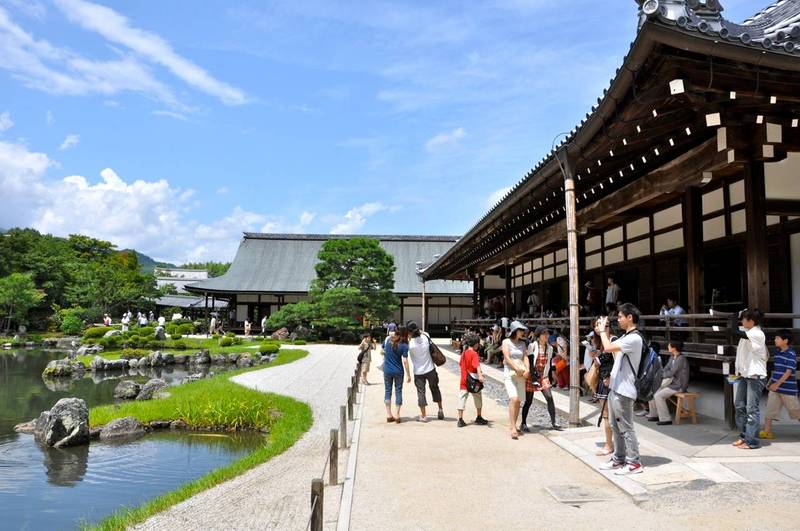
<point>516,370</point>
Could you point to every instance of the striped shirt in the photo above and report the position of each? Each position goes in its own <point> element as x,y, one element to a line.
<point>786,361</point>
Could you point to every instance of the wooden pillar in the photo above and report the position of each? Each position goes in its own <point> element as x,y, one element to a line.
<point>693,243</point>
<point>402,311</point>
<point>508,269</point>
<point>476,297</point>
<point>756,237</point>
<point>481,294</point>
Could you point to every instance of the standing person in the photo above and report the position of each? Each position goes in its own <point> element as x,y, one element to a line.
<point>152,316</point>
<point>515,372</point>
<point>533,303</point>
<point>494,346</point>
<point>212,326</point>
<point>143,320</point>
<point>395,364</point>
<point>562,363</point>
<point>365,355</point>
<point>612,292</point>
<point>419,350</point>
<point>605,360</point>
<point>247,327</point>
<point>592,296</point>
<point>627,352</point>
<point>783,385</point>
<point>676,380</point>
<point>106,320</point>
<point>264,326</point>
<point>540,354</point>
<point>126,319</point>
<point>162,321</point>
<point>751,367</point>
<point>470,364</point>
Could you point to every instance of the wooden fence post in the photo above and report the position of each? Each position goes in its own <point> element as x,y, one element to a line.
<point>349,403</point>
<point>334,464</point>
<point>317,499</point>
<point>343,427</point>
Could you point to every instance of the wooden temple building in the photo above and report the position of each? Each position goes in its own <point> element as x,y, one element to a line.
<point>271,270</point>
<point>686,176</point>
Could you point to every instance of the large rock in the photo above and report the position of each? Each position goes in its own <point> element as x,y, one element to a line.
<point>98,363</point>
<point>62,368</point>
<point>133,363</point>
<point>160,335</point>
<point>112,333</point>
<point>88,350</point>
<point>66,424</point>
<point>281,334</point>
<point>219,359</point>
<point>124,427</point>
<point>181,359</point>
<point>233,357</point>
<point>127,389</point>
<point>168,359</point>
<point>246,360</point>
<point>201,358</point>
<point>151,388</point>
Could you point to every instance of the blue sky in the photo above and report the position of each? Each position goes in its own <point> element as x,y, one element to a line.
<point>174,126</point>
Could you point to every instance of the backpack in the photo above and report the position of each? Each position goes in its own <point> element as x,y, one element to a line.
<point>649,376</point>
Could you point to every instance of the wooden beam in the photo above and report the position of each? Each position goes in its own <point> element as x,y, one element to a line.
<point>756,237</point>
<point>782,207</point>
<point>693,244</point>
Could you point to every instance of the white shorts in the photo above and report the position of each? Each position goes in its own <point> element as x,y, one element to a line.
<point>515,387</point>
<point>462,399</point>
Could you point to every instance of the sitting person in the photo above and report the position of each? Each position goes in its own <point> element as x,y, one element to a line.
<point>672,308</point>
<point>676,380</point>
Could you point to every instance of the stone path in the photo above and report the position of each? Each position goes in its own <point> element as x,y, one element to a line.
<point>275,495</point>
<point>437,476</point>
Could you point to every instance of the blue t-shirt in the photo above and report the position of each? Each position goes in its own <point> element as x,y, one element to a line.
<point>783,361</point>
<point>392,360</point>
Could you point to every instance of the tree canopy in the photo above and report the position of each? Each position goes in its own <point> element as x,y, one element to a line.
<point>355,279</point>
<point>215,269</point>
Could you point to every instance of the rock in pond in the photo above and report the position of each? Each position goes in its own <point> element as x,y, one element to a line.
<point>181,359</point>
<point>149,389</point>
<point>201,358</point>
<point>133,363</point>
<point>61,368</point>
<point>246,360</point>
<point>88,350</point>
<point>169,359</point>
<point>159,424</point>
<point>219,359</point>
<point>66,424</point>
<point>124,427</point>
<point>127,389</point>
<point>233,357</point>
<point>178,425</point>
<point>116,365</point>
<point>98,363</point>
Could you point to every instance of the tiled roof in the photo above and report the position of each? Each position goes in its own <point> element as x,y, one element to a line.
<point>284,263</point>
<point>773,29</point>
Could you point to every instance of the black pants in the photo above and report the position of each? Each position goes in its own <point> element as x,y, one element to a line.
<point>551,406</point>
<point>433,381</point>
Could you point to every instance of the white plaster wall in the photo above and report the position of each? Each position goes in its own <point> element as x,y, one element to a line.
<point>794,241</point>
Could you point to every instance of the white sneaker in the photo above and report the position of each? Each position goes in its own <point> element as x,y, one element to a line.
<point>422,419</point>
<point>641,413</point>
<point>632,468</point>
<point>611,464</point>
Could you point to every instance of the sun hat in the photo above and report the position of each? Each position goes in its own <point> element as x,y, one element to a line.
<point>540,330</point>
<point>516,325</point>
<point>411,326</point>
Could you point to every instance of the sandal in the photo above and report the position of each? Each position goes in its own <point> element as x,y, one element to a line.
<point>603,453</point>
<point>397,420</point>
<point>390,419</point>
<point>745,446</point>
<point>738,442</point>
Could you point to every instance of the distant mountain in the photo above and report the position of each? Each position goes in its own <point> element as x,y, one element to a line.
<point>148,265</point>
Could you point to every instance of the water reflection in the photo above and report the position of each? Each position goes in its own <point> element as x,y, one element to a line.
<point>65,466</point>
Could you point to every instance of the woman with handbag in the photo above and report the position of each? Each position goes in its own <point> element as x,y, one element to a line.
<point>516,371</point>
<point>540,354</point>
<point>365,355</point>
<point>605,363</point>
<point>471,381</point>
<point>419,350</point>
<point>395,365</point>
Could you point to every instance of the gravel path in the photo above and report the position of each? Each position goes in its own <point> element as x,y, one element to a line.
<point>275,495</point>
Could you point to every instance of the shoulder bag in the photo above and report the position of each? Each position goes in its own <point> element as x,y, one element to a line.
<point>436,355</point>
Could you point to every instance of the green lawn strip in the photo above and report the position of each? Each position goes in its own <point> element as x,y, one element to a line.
<point>201,404</point>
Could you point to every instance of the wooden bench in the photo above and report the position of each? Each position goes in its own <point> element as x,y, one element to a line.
<point>685,399</point>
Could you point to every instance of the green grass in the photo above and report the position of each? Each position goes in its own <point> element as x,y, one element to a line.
<point>201,404</point>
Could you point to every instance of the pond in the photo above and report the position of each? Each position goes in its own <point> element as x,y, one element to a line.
<point>47,488</point>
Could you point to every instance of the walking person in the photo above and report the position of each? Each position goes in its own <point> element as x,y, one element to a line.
<point>783,384</point>
<point>365,355</point>
<point>751,367</point>
<point>676,380</point>
<point>212,326</point>
<point>248,327</point>
<point>419,350</point>
<point>516,370</point>
<point>395,365</point>
<point>470,365</point>
<point>264,326</point>
<point>540,354</point>
<point>627,352</point>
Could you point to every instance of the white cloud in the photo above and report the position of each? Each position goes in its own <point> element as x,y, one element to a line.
<point>222,190</point>
<point>496,196</point>
<point>49,118</point>
<point>70,142</point>
<point>170,114</point>
<point>31,8</point>
<point>43,66</point>
<point>356,217</point>
<point>5,121</point>
<point>445,140</point>
<point>117,29</point>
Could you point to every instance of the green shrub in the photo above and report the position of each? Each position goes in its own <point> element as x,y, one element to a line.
<point>71,324</point>
<point>186,328</point>
<point>175,337</point>
<point>130,353</point>
<point>96,332</point>
<point>146,331</point>
<point>171,328</point>
<point>299,342</point>
<point>154,344</point>
<point>269,348</point>
<point>226,341</point>
<point>180,344</point>
<point>230,334</point>
<point>238,340</point>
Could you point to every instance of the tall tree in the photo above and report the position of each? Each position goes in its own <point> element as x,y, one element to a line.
<point>18,295</point>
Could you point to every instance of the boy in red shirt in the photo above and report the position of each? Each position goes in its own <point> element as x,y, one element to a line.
<point>470,363</point>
